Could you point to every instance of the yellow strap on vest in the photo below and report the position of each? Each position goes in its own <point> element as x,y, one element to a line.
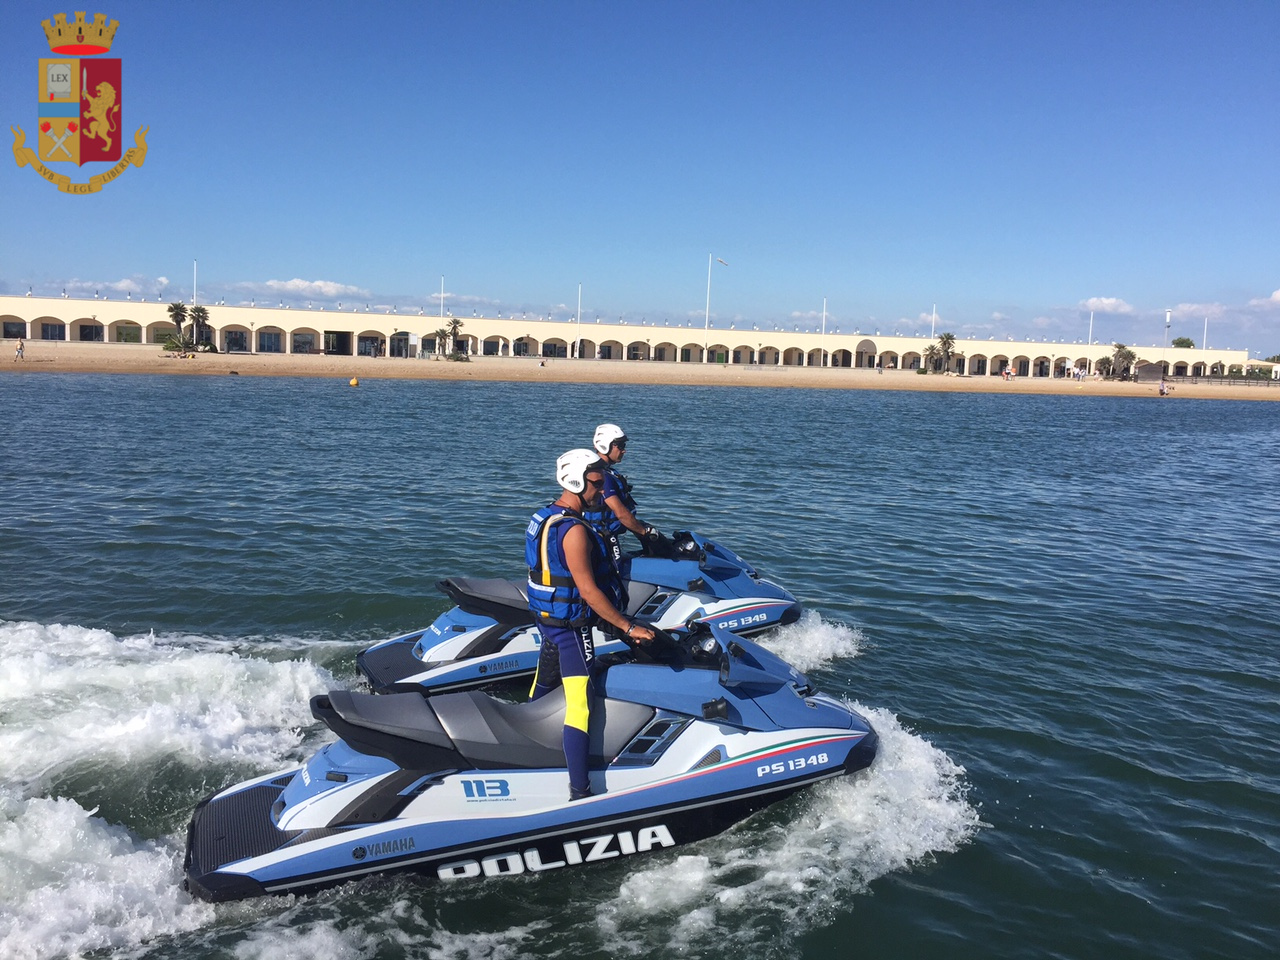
<point>546,536</point>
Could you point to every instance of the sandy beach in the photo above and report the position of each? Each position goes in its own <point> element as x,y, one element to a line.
<point>69,357</point>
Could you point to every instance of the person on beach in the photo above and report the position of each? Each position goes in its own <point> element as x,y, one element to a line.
<point>616,511</point>
<point>18,354</point>
<point>573,585</point>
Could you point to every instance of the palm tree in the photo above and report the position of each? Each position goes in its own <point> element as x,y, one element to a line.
<point>442,338</point>
<point>199,321</point>
<point>454,326</point>
<point>1122,358</point>
<point>931,354</point>
<point>178,314</point>
<point>1103,366</point>
<point>946,347</point>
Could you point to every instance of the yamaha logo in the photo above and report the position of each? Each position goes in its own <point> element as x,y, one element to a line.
<point>384,848</point>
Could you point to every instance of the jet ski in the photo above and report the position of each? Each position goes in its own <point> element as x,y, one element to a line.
<point>489,636</point>
<point>686,740</point>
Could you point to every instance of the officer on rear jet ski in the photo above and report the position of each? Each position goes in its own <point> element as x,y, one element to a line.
<point>616,511</point>
<point>573,584</point>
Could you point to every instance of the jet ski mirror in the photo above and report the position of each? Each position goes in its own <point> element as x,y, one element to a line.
<point>685,547</point>
<point>717,709</point>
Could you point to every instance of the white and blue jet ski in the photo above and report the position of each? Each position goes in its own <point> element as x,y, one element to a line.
<point>684,743</point>
<point>489,636</point>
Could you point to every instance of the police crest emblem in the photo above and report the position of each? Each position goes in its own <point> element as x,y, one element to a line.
<point>80,106</point>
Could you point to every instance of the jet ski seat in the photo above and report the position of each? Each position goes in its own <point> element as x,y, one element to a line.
<point>398,726</point>
<point>503,600</point>
<point>472,729</point>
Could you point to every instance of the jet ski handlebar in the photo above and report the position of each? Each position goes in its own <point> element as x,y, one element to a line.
<point>740,662</point>
<point>693,642</point>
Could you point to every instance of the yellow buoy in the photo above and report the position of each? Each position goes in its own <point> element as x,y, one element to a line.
<point>355,381</point>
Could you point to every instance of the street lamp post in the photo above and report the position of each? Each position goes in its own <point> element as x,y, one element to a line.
<point>1168,321</point>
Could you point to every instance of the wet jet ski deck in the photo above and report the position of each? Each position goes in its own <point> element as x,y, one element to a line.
<point>462,785</point>
<point>489,637</point>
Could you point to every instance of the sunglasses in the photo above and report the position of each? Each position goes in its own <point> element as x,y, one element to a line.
<point>621,444</point>
<point>598,479</point>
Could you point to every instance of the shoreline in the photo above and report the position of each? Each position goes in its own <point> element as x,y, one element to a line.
<point>69,357</point>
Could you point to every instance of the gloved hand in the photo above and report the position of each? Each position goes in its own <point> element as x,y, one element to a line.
<point>654,543</point>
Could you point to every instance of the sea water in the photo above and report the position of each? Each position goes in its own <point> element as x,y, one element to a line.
<point>1059,614</point>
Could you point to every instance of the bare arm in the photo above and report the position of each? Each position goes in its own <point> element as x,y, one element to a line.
<point>628,518</point>
<point>577,555</point>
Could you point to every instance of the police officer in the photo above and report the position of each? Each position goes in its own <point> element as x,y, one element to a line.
<point>616,511</point>
<point>572,585</point>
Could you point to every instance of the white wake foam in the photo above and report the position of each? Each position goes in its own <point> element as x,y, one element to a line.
<point>75,699</point>
<point>70,694</point>
<point>402,928</point>
<point>811,642</point>
<point>907,808</point>
<point>73,884</point>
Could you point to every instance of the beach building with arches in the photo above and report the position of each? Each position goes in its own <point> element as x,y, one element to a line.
<point>413,335</point>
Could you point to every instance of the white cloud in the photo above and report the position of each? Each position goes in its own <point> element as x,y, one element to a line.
<point>1106,305</point>
<point>804,316</point>
<point>311,289</point>
<point>135,286</point>
<point>1270,301</point>
<point>1199,311</point>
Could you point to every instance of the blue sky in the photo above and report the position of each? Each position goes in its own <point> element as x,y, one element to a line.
<point>1017,163</point>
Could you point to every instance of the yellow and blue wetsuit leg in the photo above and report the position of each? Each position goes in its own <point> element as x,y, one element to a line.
<point>565,659</point>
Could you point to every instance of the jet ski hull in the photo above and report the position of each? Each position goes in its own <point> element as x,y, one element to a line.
<point>502,849</point>
<point>461,786</point>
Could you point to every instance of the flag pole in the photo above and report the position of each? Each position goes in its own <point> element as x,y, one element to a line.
<point>822,341</point>
<point>706,323</point>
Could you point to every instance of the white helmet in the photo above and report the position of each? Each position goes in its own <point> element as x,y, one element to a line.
<point>607,434</point>
<point>572,467</point>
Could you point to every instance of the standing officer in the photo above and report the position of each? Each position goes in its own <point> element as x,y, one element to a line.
<point>616,511</point>
<point>573,584</point>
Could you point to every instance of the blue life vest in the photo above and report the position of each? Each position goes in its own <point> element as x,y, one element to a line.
<point>553,596</point>
<point>601,516</point>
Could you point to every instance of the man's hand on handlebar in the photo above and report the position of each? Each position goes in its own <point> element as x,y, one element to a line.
<point>639,633</point>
